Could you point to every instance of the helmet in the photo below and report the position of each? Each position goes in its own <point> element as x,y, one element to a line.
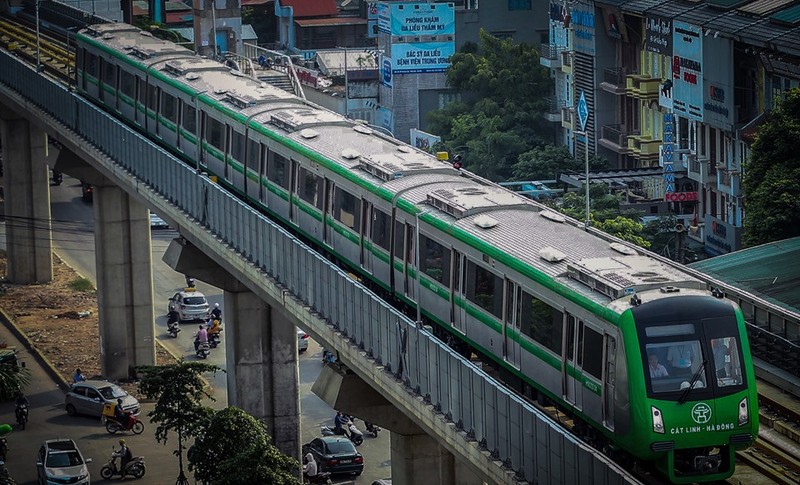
<point>200,326</point>
<point>119,400</point>
<point>121,442</point>
<point>216,305</point>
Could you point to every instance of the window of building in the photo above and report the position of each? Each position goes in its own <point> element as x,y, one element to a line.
<point>215,134</point>
<point>485,289</point>
<point>309,187</point>
<point>541,322</point>
<point>434,260</point>
<point>347,209</point>
<point>448,97</point>
<point>683,133</point>
<point>519,4</point>
<point>127,84</point>
<point>713,153</point>
<point>591,351</point>
<point>279,170</point>
<point>237,146</point>
<point>169,107</point>
<point>381,229</point>
<point>189,121</point>
<point>471,4</point>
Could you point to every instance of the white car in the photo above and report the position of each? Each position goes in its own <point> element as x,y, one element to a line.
<point>60,461</point>
<point>302,341</point>
<point>190,304</point>
<point>157,222</point>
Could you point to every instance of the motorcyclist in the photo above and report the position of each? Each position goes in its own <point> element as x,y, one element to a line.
<point>214,329</point>
<point>310,468</point>
<point>78,376</point>
<point>172,317</point>
<point>200,337</point>
<point>216,313</point>
<point>125,455</point>
<point>121,415</point>
<point>21,401</point>
<point>340,423</point>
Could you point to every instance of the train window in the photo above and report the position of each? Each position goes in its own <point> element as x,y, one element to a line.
<point>346,209</point>
<point>253,155</point>
<point>727,367</point>
<point>381,229</point>
<point>109,74</point>
<point>152,98</point>
<point>434,260</point>
<point>592,346</point>
<point>399,240</point>
<point>309,187</point>
<point>237,145</point>
<point>127,84</point>
<point>189,118</point>
<point>215,134</point>
<point>541,322</point>
<point>142,90</point>
<point>169,107</point>
<point>485,289</point>
<point>278,170</point>
<point>91,65</point>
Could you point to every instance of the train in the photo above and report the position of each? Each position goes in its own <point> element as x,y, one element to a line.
<point>651,363</point>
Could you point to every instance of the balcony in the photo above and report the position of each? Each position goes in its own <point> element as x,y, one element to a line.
<point>567,118</point>
<point>550,56</point>
<point>566,62</point>
<point>553,112</point>
<point>644,148</point>
<point>642,86</point>
<point>697,168</point>
<point>614,81</point>
<point>615,138</point>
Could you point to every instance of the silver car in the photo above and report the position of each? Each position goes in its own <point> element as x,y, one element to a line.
<point>89,397</point>
<point>60,461</point>
<point>191,305</point>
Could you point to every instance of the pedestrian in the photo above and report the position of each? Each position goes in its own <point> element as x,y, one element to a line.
<point>78,377</point>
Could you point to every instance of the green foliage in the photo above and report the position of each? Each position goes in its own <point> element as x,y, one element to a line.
<point>624,228</point>
<point>501,116</point>
<point>602,205</point>
<point>179,390</point>
<point>546,162</point>
<point>13,377</point>
<point>660,233</point>
<point>81,284</point>
<point>772,176</point>
<point>242,452</point>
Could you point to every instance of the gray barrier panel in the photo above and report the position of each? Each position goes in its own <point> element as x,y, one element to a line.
<point>517,433</point>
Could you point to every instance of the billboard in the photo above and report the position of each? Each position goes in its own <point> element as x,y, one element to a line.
<point>422,57</point>
<point>582,19</point>
<point>372,20</point>
<point>416,19</point>
<point>687,70</point>
<point>385,73</point>
<point>658,35</point>
<point>718,109</point>
<point>424,141</point>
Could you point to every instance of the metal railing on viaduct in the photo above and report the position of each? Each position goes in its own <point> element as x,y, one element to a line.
<point>516,439</point>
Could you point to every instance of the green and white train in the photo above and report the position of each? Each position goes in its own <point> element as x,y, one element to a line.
<point>641,353</point>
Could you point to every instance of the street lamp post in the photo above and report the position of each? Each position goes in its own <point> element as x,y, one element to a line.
<point>38,57</point>
<point>582,111</point>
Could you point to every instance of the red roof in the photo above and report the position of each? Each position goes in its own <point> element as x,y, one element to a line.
<point>311,8</point>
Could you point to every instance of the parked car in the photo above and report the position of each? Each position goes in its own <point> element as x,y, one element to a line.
<point>89,397</point>
<point>302,341</point>
<point>190,304</point>
<point>335,454</point>
<point>157,222</point>
<point>60,461</point>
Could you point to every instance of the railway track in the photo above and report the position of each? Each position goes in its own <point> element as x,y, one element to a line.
<point>55,57</point>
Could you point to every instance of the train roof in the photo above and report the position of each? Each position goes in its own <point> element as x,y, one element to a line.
<point>139,44</point>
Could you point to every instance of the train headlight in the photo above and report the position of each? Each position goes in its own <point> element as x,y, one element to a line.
<point>658,420</point>
<point>744,415</point>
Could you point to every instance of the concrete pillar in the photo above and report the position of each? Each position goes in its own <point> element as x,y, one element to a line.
<point>27,201</point>
<point>261,361</point>
<point>124,282</point>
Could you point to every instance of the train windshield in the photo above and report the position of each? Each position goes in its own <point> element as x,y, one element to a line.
<point>703,357</point>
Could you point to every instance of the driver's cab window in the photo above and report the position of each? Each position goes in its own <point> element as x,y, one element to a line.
<point>673,357</point>
<point>727,368</point>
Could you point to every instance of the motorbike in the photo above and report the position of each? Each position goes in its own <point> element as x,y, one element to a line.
<point>327,356</point>
<point>352,433</point>
<point>113,425</point>
<point>57,177</point>
<point>321,477</point>
<point>173,328</point>
<point>5,478</point>
<point>3,449</point>
<point>190,282</point>
<point>135,468</point>
<point>21,412</point>
<point>203,350</point>
<point>214,339</point>
<point>372,429</point>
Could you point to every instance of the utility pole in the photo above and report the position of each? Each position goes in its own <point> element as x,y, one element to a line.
<point>38,47</point>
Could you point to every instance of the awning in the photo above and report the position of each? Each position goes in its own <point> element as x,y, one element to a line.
<point>612,177</point>
<point>330,21</point>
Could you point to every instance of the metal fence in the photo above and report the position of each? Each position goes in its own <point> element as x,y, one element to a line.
<point>513,431</point>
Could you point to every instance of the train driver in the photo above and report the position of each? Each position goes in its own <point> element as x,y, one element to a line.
<point>657,369</point>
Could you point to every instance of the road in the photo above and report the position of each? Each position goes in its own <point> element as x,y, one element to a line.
<point>73,240</point>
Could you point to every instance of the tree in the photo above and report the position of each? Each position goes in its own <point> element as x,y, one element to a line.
<point>546,162</point>
<point>179,390</point>
<point>242,452</point>
<point>501,116</point>
<point>13,377</point>
<point>624,228</point>
<point>772,176</point>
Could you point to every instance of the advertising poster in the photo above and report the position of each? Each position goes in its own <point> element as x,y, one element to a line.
<point>422,19</point>
<point>582,20</point>
<point>424,141</point>
<point>384,15</point>
<point>718,109</point>
<point>372,20</point>
<point>385,71</point>
<point>658,35</point>
<point>615,24</point>
<point>422,57</point>
<point>687,70</point>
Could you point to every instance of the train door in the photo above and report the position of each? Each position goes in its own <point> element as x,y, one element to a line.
<point>327,236</point>
<point>366,230</point>
<point>410,272</point>
<point>569,383</point>
<point>262,175</point>
<point>458,312</point>
<point>226,150</point>
<point>294,167</point>
<point>511,329</point>
<point>609,379</point>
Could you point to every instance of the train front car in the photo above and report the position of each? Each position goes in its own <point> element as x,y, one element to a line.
<point>692,388</point>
